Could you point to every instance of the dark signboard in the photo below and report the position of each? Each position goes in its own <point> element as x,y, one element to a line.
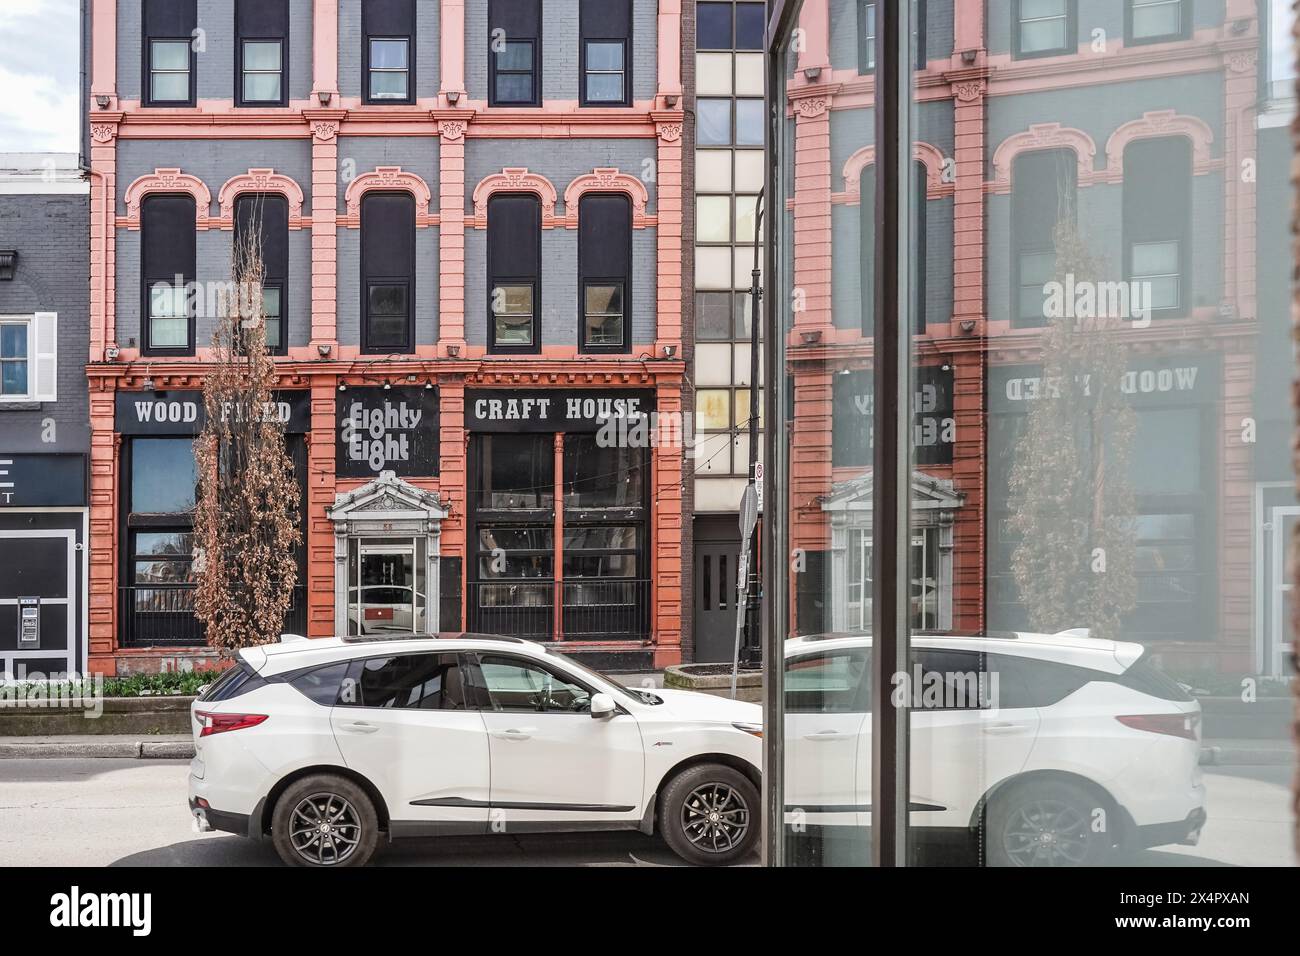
<point>553,409</point>
<point>42,481</point>
<point>181,412</point>
<point>933,427</point>
<point>1172,380</point>
<point>392,429</point>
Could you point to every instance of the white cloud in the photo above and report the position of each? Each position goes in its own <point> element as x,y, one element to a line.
<point>39,73</point>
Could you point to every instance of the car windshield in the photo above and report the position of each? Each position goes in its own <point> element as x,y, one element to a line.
<point>645,696</point>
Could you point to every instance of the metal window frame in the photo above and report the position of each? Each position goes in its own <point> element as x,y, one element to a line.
<point>892,342</point>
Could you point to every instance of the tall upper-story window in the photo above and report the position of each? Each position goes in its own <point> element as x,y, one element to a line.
<point>605,52</point>
<point>1157,221</point>
<point>867,35</point>
<point>1044,27</point>
<point>514,273</point>
<point>387,273</point>
<point>1042,195</point>
<point>261,52</point>
<point>167,257</point>
<point>605,272</point>
<point>515,53</point>
<point>388,38</point>
<point>28,357</point>
<point>267,216</point>
<point>168,57</point>
<point>1280,66</point>
<point>1156,21</point>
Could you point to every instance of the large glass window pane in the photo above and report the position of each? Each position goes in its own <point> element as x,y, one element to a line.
<point>163,475</point>
<point>713,119</point>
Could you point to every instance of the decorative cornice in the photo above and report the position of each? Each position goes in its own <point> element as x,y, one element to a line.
<point>669,125</point>
<point>608,179</point>
<point>1043,136</point>
<point>928,155</point>
<point>260,181</point>
<point>516,179</point>
<point>167,180</point>
<point>392,178</point>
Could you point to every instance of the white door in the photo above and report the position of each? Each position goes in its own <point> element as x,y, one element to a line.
<point>1282,520</point>
<point>409,724</point>
<point>827,732</point>
<point>551,760</point>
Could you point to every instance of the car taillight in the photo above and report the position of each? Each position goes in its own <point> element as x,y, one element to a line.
<point>1173,725</point>
<point>221,723</point>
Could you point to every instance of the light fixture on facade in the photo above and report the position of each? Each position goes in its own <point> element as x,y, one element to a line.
<point>811,336</point>
<point>453,97</point>
<point>428,385</point>
<point>102,100</point>
<point>147,384</point>
<point>8,263</point>
<point>111,353</point>
<point>968,57</point>
<point>343,386</point>
<point>388,386</point>
<point>812,73</point>
<point>324,349</point>
<point>967,326</point>
<point>324,96</point>
<point>670,100</point>
<point>453,351</point>
<point>670,351</point>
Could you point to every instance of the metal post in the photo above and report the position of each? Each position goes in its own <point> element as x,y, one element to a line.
<point>891,465</point>
<point>753,654</point>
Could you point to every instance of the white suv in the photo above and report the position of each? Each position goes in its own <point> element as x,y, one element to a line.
<point>1056,749</point>
<point>325,745</point>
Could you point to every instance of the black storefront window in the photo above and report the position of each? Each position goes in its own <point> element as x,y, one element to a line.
<point>388,50</point>
<point>267,217</point>
<point>168,56</point>
<point>514,273</point>
<point>514,53</point>
<point>387,273</point>
<point>1043,186</point>
<point>1157,222</point>
<point>167,268</point>
<point>261,52</point>
<point>605,272</point>
<point>604,52</point>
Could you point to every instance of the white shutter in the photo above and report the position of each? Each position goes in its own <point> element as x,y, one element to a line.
<point>45,366</point>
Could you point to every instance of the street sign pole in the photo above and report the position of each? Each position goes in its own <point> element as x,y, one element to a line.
<point>748,521</point>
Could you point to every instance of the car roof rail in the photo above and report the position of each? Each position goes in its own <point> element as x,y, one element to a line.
<point>443,636</point>
<point>292,638</point>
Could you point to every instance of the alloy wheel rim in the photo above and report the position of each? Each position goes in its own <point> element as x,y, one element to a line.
<point>715,817</point>
<point>324,829</point>
<point>1046,833</point>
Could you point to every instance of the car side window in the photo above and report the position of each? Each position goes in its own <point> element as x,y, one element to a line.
<point>941,679</point>
<point>830,682</point>
<point>1030,682</point>
<point>407,681</point>
<point>515,685</point>
<point>321,685</point>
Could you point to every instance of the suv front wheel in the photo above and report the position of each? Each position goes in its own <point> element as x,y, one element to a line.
<point>325,821</point>
<point>709,815</point>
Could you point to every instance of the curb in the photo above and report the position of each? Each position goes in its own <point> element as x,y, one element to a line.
<point>1245,757</point>
<point>131,749</point>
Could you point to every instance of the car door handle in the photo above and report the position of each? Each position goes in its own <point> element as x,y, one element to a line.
<point>829,735</point>
<point>359,727</point>
<point>1003,729</point>
<point>514,734</point>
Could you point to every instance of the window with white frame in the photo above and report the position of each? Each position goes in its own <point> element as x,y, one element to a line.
<point>28,362</point>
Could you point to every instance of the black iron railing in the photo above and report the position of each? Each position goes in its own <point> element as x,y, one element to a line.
<point>592,609</point>
<point>162,615</point>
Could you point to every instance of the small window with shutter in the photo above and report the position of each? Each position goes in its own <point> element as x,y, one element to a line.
<point>28,357</point>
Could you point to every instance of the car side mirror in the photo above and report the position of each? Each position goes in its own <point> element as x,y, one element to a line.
<point>602,705</point>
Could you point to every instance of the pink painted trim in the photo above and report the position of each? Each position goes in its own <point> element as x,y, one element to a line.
<point>325,47</point>
<point>167,181</point>
<point>260,181</point>
<point>1043,136</point>
<point>607,180</point>
<point>392,178</point>
<point>928,155</point>
<point>514,179</point>
<point>103,79</point>
<point>451,25</point>
<point>1159,123</point>
<point>669,47</point>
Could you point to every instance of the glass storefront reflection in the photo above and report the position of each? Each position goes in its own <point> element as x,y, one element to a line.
<point>1101,484</point>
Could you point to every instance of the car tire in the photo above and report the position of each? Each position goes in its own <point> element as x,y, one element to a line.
<point>1047,824</point>
<point>709,815</point>
<point>325,801</point>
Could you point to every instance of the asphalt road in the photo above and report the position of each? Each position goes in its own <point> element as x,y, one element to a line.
<point>111,812</point>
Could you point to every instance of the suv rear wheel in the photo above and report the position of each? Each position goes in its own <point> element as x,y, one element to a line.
<point>1047,824</point>
<point>708,815</point>
<point>325,821</point>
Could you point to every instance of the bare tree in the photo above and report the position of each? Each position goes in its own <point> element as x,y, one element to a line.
<point>246,517</point>
<point>1072,501</point>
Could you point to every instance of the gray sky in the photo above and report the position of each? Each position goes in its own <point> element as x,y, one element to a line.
<point>39,74</point>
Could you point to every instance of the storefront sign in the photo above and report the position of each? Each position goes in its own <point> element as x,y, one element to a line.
<point>553,410</point>
<point>933,428</point>
<point>182,412</point>
<point>387,430</point>
<point>1179,380</point>
<point>42,481</point>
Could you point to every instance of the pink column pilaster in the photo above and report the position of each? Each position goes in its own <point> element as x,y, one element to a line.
<point>452,67</point>
<point>324,229</point>
<point>103,47</point>
<point>452,126</point>
<point>325,48</point>
<point>668,205</point>
<point>815,22</point>
<point>670,48</point>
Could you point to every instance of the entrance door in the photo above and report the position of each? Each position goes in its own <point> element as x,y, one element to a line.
<point>717,550</point>
<point>386,587</point>
<point>1283,521</point>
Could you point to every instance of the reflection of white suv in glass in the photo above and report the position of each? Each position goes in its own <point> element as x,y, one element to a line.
<point>324,745</point>
<point>1057,748</point>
